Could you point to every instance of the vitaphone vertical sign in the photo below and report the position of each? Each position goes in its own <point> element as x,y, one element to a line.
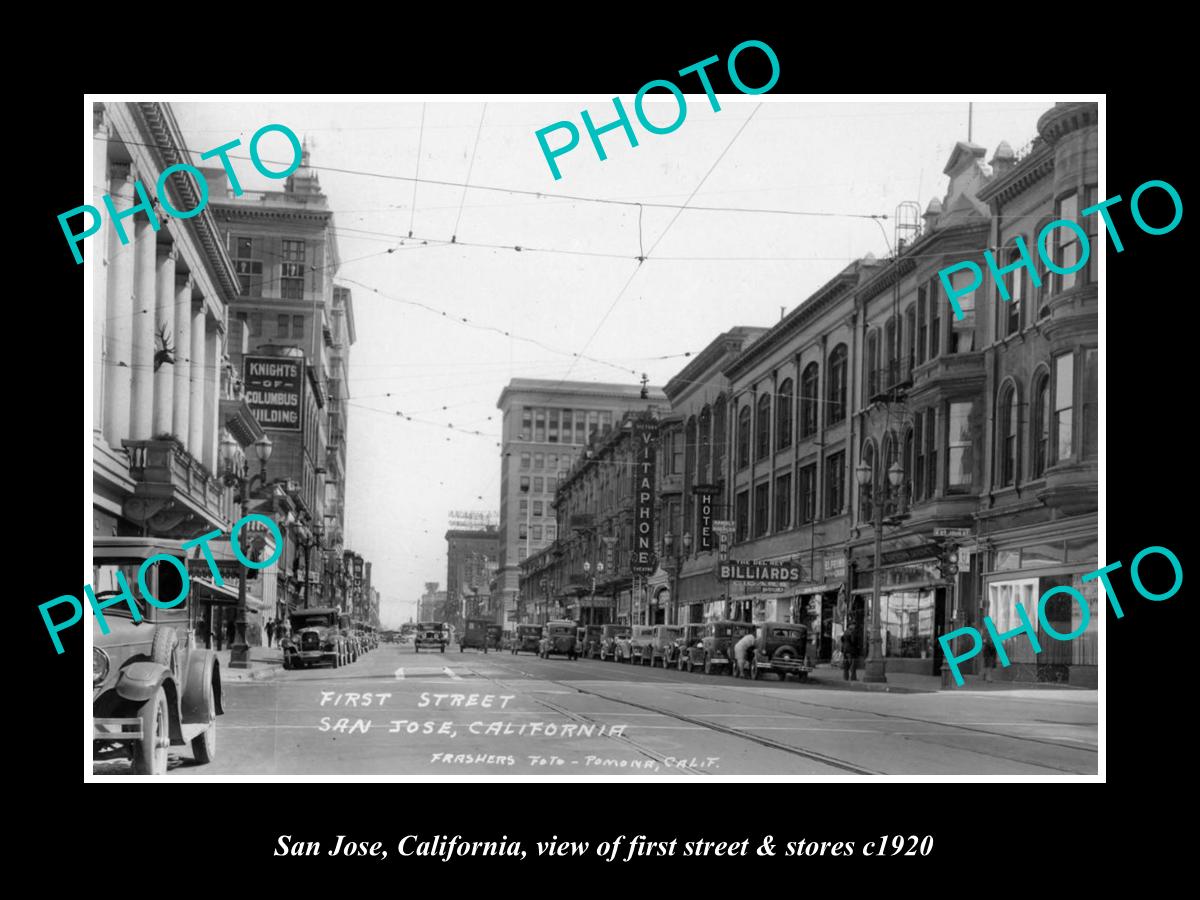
<point>642,557</point>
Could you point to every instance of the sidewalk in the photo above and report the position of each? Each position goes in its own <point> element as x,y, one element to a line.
<point>831,676</point>
<point>264,662</point>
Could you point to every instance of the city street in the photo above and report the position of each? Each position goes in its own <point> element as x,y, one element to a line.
<point>398,712</point>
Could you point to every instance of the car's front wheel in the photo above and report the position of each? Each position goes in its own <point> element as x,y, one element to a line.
<point>150,753</point>
<point>204,745</point>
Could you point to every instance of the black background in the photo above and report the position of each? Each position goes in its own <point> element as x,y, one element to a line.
<point>985,834</point>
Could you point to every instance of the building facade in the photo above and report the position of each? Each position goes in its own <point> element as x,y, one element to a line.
<point>546,424</point>
<point>472,558</point>
<point>167,392</point>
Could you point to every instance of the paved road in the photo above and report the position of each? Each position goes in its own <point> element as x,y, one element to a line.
<point>397,712</point>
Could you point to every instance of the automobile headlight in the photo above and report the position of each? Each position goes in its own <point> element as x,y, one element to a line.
<point>99,666</point>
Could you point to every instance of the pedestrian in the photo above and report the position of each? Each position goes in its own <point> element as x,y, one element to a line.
<point>218,633</point>
<point>230,632</point>
<point>850,653</point>
<point>270,630</point>
<point>740,650</point>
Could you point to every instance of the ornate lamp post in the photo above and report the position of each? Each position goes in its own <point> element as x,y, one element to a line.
<point>587,569</point>
<point>874,671</point>
<point>240,653</point>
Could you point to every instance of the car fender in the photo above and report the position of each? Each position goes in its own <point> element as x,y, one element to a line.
<point>201,684</point>
<point>140,681</point>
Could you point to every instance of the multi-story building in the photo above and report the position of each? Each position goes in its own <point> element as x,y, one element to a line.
<point>168,399</point>
<point>294,357</point>
<point>545,425</point>
<point>429,607</point>
<point>1036,525</point>
<point>471,559</point>
<point>691,466</point>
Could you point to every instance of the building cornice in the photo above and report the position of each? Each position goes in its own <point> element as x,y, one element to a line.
<point>1032,169</point>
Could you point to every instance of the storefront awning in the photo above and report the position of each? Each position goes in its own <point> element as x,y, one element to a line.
<point>207,591</point>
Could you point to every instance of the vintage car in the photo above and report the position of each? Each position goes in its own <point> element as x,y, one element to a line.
<point>680,651</point>
<point>474,635</point>
<point>609,635</point>
<point>528,638</point>
<point>558,636</point>
<point>714,650</point>
<point>662,644</point>
<point>641,641</point>
<point>315,638</point>
<point>590,637</point>
<point>495,635</point>
<point>152,686</point>
<point>781,648</point>
<point>430,634</point>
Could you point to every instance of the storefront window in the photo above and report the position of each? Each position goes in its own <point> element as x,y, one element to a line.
<point>1003,599</point>
<point>907,618</point>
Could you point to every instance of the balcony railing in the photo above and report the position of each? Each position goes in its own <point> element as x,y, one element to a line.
<point>162,467</point>
<point>891,381</point>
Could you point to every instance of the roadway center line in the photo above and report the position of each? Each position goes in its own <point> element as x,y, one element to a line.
<point>454,676</point>
<point>400,674</point>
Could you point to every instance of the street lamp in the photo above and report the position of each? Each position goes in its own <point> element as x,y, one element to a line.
<point>587,568</point>
<point>684,550</point>
<point>874,671</point>
<point>235,475</point>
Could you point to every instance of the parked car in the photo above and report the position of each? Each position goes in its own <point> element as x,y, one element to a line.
<point>641,642</point>
<point>558,637</point>
<point>780,648</point>
<point>662,645</point>
<point>495,635</point>
<point>528,639</point>
<point>430,634</point>
<point>589,641</point>
<point>680,650</point>
<point>475,635</point>
<point>715,650</point>
<point>315,639</point>
<point>609,635</point>
<point>152,686</point>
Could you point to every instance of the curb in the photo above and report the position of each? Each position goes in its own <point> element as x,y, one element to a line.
<point>255,674</point>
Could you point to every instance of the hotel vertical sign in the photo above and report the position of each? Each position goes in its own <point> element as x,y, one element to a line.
<point>704,494</point>
<point>642,558</point>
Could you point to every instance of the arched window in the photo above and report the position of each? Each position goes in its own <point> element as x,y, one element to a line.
<point>1012,312</point>
<point>871,381</point>
<point>689,471</point>
<point>910,325</point>
<point>891,354</point>
<point>1040,423</point>
<point>743,437</point>
<point>837,386</point>
<point>762,427</point>
<point>1006,429</point>
<point>906,489</point>
<point>808,400</point>
<point>865,492</point>
<point>719,439</point>
<point>783,416</point>
<point>702,475</point>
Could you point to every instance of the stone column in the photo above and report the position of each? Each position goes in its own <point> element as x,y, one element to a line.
<point>141,406</point>
<point>195,441</point>
<point>181,377</point>
<point>118,377</point>
<point>166,350</point>
<point>99,263</point>
<point>212,393</point>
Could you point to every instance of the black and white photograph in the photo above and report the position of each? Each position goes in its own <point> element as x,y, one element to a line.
<point>687,435</point>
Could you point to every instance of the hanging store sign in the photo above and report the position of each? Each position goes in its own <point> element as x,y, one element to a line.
<point>274,386</point>
<point>735,570</point>
<point>704,494</point>
<point>642,560</point>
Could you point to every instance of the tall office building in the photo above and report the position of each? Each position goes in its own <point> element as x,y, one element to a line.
<point>546,425</point>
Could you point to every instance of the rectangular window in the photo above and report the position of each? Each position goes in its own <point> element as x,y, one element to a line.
<point>525,483</point>
<point>524,507</point>
<point>1066,242</point>
<point>960,465</point>
<point>537,532</point>
<point>835,483</point>
<point>537,509</point>
<point>551,532</point>
<point>1089,400</point>
<point>1003,600</point>
<point>807,504</point>
<point>539,425</point>
<point>520,553</point>
<point>922,326</point>
<point>677,453</point>
<point>605,421</point>
<point>538,485</point>
<point>918,459</point>
<point>931,452</point>
<point>523,531</point>
<point>1090,224</point>
<point>580,427</point>
<point>256,324</point>
<point>567,433</point>
<point>539,460</point>
<point>552,431</point>
<point>297,326</point>
<point>249,267</point>
<point>291,281</point>
<point>525,457</point>
<point>526,424</point>
<point>961,332</point>
<point>283,325</point>
<point>783,502</point>
<point>551,484</point>
<point>762,508</point>
<point>742,516</point>
<point>1015,282</point>
<point>593,422</point>
<point>1064,391</point>
<point>935,321</point>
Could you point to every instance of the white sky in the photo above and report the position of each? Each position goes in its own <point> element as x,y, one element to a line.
<point>404,476</point>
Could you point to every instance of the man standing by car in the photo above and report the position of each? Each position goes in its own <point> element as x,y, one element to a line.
<point>743,647</point>
<point>270,630</point>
